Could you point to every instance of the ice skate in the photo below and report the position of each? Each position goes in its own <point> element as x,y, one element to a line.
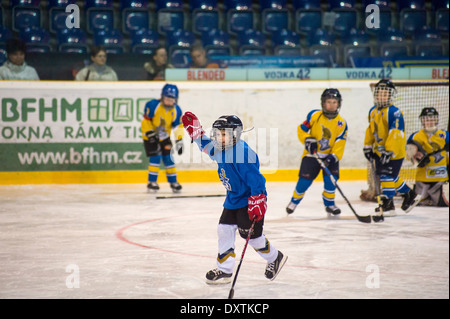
<point>176,187</point>
<point>387,205</point>
<point>273,269</point>
<point>291,207</point>
<point>334,210</point>
<point>152,187</point>
<point>217,277</point>
<point>409,200</point>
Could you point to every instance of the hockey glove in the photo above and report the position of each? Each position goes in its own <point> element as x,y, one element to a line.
<point>330,160</point>
<point>257,206</point>
<point>311,145</point>
<point>368,152</point>
<point>385,156</point>
<point>179,146</point>
<point>192,125</point>
<point>151,144</point>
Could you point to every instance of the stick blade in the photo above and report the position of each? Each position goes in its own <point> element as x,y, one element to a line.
<point>378,218</point>
<point>364,219</point>
<point>231,294</point>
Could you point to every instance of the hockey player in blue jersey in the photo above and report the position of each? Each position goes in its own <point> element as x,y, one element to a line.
<point>238,168</point>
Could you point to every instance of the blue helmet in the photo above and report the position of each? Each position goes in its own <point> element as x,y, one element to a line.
<point>170,90</point>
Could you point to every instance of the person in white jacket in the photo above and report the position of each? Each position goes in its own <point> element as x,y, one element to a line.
<point>15,68</point>
<point>98,70</point>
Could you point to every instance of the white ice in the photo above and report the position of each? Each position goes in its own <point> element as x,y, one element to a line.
<point>118,241</point>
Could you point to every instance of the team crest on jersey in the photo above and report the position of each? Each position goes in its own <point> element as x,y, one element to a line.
<point>339,123</point>
<point>325,140</point>
<point>224,179</point>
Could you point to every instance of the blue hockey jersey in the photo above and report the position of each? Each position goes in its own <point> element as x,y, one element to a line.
<point>238,170</point>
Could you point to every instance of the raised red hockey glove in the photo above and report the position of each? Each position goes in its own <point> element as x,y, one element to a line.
<point>257,206</point>
<point>192,125</point>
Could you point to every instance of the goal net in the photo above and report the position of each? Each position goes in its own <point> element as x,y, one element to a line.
<point>411,98</point>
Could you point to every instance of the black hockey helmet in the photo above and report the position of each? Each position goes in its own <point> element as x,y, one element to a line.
<point>427,114</point>
<point>384,85</point>
<point>232,126</point>
<point>331,94</point>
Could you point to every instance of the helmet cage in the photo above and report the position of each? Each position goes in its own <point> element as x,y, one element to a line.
<point>381,91</point>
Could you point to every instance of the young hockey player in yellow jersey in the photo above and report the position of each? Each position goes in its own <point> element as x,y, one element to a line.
<point>385,143</point>
<point>428,148</point>
<point>160,116</point>
<point>324,132</point>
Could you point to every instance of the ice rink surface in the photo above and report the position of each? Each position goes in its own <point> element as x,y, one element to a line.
<point>118,241</point>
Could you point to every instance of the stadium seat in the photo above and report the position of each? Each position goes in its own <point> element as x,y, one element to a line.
<point>251,43</point>
<point>345,20</point>
<point>144,41</point>
<point>394,50</point>
<point>320,37</point>
<point>355,51</point>
<point>133,4</point>
<point>5,34</point>
<point>170,16</point>
<point>412,20</point>
<point>274,15</point>
<point>428,35</point>
<point>26,14</point>
<point>382,4</point>
<point>58,14</point>
<point>439,4</point>
<point>100,15</point>
<point>216,42</point>
<point>356,37</point>
<point>179,43</point>
<point>239,20</point>
<point>205,15</point>
<point>308,20</point>
<point>286,43</point>
<point>135,19</point>
<point>72,41</point>
<point>238,4</point>
<point>392,35</point>
<point>111,40</point>
<point>327,52</point>
<point>306,4</point>
<point>341,4</point>
<point>410,4</point>
<point>429,50</point>
<point>37,39</point>
<point>442,20</point>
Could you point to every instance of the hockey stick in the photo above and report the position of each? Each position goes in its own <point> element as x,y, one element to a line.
<point>189,196</point>
<point>363,219</point>
<point>250,231</point>
<point>377,218</point>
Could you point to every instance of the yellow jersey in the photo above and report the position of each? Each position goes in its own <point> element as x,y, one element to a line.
<point>161,119</point>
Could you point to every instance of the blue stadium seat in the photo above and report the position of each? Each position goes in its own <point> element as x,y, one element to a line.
<point>216,42</point>
<point>251,43</point>
<point>179,43</point>
<point>238,4</point>
<point>135,19</point>
<point>111,40</point>
<point>72,41</point>
<point>320,37</point>
<point>356,37</point>
<point>100,15</point>
<point>239,20</point>
<point>412,20</point>
<point>429,50</point>
<point>392,35</point>
<point>427,34</point>
<point>58,14</point>
<point>133,4</point>
<point>439,4</point>
<point>327,52</point>
<point>410,4</point>
<point>274,15</point>
<point>144,41</point>
<point>169,15</point>
<point>442,21</point>
<point>307,20</point>
<point>394,50</point>
<point>26,14</point>
<point>345,20</point>
<point>355,51</point>
<point>5,34</point>
<point>306,4</point>
<point>341,4</point>
<point>205,15</point>
<point>286,43</point>
<point>382,4</point>
<point>37,39</point>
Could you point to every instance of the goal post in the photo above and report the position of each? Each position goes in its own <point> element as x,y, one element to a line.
<point>411,98</point>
